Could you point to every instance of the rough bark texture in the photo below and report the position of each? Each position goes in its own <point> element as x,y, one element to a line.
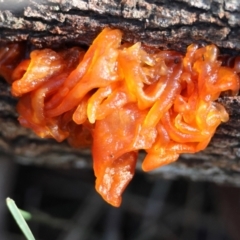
<point>162,23</point>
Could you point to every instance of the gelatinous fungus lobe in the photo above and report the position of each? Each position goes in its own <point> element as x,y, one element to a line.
<point>121,98</point>
<point>11,55</point>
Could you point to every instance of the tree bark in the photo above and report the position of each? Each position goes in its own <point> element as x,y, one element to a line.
<point>160,23</point>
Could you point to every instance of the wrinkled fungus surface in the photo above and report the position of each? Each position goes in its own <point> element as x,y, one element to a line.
<point>121,98</point>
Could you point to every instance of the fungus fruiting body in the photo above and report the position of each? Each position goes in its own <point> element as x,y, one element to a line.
<point>121,98</point>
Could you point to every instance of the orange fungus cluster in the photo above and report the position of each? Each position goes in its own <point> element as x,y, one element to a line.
<point>121,98</point>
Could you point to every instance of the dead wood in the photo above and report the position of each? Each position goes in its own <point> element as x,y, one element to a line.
<point>161,23</point>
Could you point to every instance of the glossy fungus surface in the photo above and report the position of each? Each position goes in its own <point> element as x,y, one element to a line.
<point>121,98</point>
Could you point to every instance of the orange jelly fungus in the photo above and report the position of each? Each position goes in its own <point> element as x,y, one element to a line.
<point>120,98</point>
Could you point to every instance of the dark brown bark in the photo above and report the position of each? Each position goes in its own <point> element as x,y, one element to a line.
<point>162,23</point>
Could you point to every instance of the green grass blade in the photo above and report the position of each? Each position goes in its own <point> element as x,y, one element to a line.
<point>26,215</point>
<point>19,219</point>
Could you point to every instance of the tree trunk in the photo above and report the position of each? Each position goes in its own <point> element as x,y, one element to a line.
<point>160,23</point>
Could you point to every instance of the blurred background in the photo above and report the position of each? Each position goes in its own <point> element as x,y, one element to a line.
<point>65,206</point>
